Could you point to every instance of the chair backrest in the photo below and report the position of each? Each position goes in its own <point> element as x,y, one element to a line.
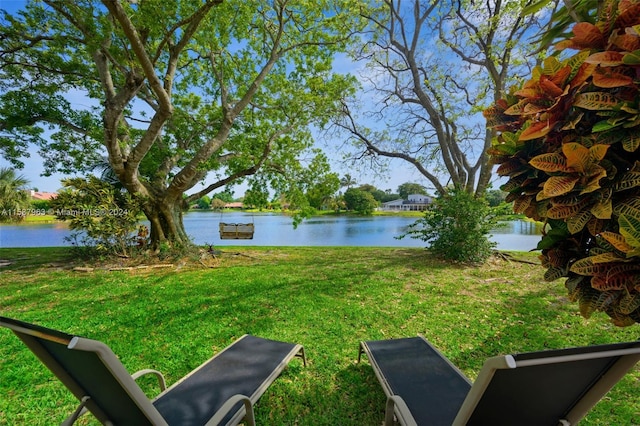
<point>546,388</point>
<point>89,368</point>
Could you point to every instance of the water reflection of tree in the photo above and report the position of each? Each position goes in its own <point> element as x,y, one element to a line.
<point>519,227</point>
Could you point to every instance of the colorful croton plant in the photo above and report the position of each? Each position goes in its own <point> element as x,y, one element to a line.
<point>568,143</point>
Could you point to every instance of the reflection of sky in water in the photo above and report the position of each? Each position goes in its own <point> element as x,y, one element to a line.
<point>277,230</point>
<point>37,235</point>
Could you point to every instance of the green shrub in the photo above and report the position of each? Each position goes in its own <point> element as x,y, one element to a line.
<point>104,216</point>
<point>41,205</point>
<point>456,227</point>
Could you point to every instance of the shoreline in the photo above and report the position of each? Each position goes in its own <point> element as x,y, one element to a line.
<point>46,218</point>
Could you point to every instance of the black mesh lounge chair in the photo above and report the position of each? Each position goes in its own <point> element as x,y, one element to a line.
<point>556,387</point>
<point>220,391</point>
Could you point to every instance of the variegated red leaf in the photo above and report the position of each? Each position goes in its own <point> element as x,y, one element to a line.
<point>605,283</point>
<point>606,78</point>
<point>549,162</point>
<point>550,88</point>
<point>594,265</point>
<point>508,167</point>
<point>629,16</point>
<point>595,226</point>
<point>577,156</point>
<point>598,152</point>
<point>520,204</point>
<point>535,131</point>
<point>595,174</point>
<point>608,58</point>
<point>627,42</point>
<point>596,101</point>
<point>617,241</point>
<point>630,301</point>
<point>586,35</point>
<point>559,185</point>
<point>602,209</point>
<point>631,143</point>
<point>558,258</point>
<point>577,222</point>
<point>563,212</point>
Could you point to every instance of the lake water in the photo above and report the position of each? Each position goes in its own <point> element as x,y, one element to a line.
<point>277,230</point>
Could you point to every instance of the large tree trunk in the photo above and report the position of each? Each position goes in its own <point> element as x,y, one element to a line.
<point>166,222</point>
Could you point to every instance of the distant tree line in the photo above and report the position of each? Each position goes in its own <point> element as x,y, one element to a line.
<point>363,199</point>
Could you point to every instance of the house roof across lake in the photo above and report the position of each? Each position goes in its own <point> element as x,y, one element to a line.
<point>45,196</point>
<point>415,202</point>
<point>234,205</point>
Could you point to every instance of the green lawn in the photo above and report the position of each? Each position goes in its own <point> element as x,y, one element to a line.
<point>327,299</point>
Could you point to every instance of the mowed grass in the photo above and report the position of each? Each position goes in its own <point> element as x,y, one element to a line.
<point>327,299</point>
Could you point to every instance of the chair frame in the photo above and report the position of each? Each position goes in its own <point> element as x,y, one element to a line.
<point>110,361</point>
<point>397,409</point>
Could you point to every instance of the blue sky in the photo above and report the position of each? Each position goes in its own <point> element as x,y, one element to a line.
<point>400,171</point>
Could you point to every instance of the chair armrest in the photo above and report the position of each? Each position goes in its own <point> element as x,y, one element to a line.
<point>228,406</point>
<point>161,381</point>
<point>396,405</point>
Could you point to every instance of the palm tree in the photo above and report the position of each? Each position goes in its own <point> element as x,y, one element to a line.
<point>14,195</point>
<point>106,173</point>
<point>347,181</point>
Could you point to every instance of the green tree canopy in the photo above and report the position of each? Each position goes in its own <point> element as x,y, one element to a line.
<point>378,194</point>
<point>408,188</point>
<point>226,196</point>
<point>318,183</point>
<point>173,92</point>
<point>360,201</point>
<point>495,197</point>
<point>204,202</point>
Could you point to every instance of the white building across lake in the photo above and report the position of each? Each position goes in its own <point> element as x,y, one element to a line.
<point>415,202</point>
